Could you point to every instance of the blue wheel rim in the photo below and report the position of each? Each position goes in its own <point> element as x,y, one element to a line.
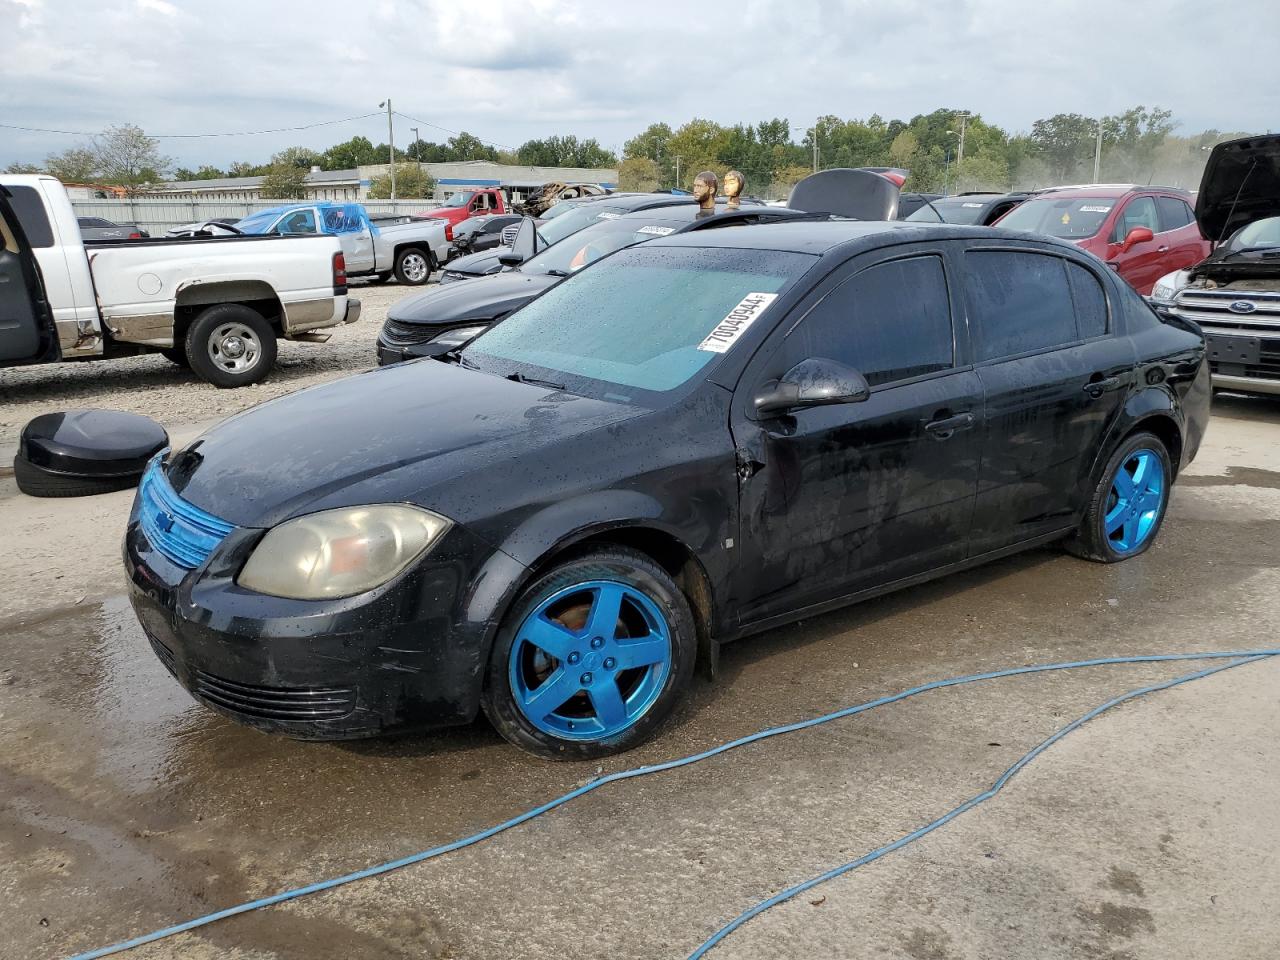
<point>590,660</point>
<point>1135,501</point>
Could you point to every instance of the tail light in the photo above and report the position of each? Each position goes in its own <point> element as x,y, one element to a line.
<point>339,273</point>
<point>448,232</point>
<point>135,235</point>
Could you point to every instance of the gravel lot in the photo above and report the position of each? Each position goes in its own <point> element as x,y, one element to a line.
<point>153,386</point>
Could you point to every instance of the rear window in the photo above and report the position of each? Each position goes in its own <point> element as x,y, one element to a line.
<point>1090,301</point>
<point>1174,213</point>
<point>950,211</point>
<point>1060,217</point>
<point>1019,302</point>
<point>29,207</point>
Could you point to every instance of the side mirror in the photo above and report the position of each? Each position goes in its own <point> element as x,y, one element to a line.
<point>511,259</point>
<point>525,244</point>
<point>814,382</point>
<point>1135,236</point>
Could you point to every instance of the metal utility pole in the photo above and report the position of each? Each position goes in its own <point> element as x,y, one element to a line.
<point>964,119</point>
<point>391,146</point>
<point>1097,156</point>
<point>677,184</point>
<point>815,148</point>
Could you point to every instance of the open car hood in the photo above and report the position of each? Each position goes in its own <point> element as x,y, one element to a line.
<point>1241,184</point>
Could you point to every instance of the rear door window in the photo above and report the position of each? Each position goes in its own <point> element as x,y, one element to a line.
<point>29,208</point>
<point>1174,213</point>
<point>892,321</point>
<point>1090,302</point>
<point>1138,212</point>
<point>1018,302</point>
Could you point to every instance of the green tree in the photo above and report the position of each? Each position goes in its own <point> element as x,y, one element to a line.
<point>73,165</point>
<point>1065,142</point>
<point>653,142</point>
<point>639,174</point>
<point>299,157</point>
<point>356,152</point>
<point>412,183</point>
<point>699,144</point>
<point>24,168</point>
<point>284,181</point>
<point>128,157</point>
<point>566,151</point>
<point>242,168</point>
<point>467,146</point>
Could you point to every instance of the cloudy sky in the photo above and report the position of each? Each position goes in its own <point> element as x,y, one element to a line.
<point>511,71</point>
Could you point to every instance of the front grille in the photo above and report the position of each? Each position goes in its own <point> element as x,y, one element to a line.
<point>275,703</point>
<point>396,333</point>
<point>1212,308</point>
<point>163,652</point>
<point>180,531</point>
<point>509,234</point>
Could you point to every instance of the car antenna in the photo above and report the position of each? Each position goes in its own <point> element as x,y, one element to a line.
<point>1239,190</point>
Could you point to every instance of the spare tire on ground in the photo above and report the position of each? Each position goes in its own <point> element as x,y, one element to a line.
<point>79,453</point>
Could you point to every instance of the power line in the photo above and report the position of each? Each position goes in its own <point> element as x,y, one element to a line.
<point>194,136</point>
<point>428,123</point>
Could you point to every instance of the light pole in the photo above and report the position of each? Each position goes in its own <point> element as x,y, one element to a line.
<point>678,159</point>
<point>417,153</point>
<point>964,119</point>
<point>391,146</point>
<point>1097,156</point>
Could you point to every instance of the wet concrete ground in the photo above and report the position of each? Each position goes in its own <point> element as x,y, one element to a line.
<point>1153,832</point>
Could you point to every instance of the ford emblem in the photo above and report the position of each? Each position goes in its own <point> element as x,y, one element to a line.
<point>1243,306</point>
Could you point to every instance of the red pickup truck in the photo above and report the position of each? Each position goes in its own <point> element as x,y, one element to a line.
<point>469,203</point>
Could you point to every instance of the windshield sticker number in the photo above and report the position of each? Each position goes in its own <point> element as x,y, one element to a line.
<point>608,216</point>
<point>656,230</point>
<point>972,206</point>
<point>1095,209</point>
<point>728,330</point>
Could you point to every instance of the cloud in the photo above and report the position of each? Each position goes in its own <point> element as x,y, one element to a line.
<point>509,71</point>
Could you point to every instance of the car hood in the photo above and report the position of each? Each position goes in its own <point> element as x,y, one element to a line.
<point>486,261</point>
<point>483,298</point>
<point>1241,184</point>
<point>409,433</point>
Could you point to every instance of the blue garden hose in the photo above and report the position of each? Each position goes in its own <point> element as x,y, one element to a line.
<point>1237,658</point>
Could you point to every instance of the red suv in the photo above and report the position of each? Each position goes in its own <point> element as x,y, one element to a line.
<point>1141,232</point>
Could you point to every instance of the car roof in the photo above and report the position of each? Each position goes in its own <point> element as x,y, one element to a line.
<point>1111,191</point>
<point>819,237</point>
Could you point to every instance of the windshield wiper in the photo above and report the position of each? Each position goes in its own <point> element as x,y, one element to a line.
<point>553,272</point>
<point>519,377</point>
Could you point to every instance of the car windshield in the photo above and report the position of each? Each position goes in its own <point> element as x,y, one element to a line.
<point>1068,218</point>
<point>564,206</point>
<point>575,220</point>
<point>259,222</point>
<point>1258,235</point>
<point>950,211</point>
<point>459,199</point>
<point>591,243</point>
<point>639,324</point>
<point>468,226</point>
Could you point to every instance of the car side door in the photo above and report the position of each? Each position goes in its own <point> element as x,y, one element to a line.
<point>843,498</point>
<point>1139,263</point>
<point>1180,235</point>
<point>1054,370</point>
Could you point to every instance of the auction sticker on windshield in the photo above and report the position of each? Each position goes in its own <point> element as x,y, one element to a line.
<point>728,330</point>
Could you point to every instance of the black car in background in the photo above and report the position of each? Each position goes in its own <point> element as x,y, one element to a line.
<point>96,228</point>
<point>476,234</point>
<point>977,209</point>
<point>437,321</point>
<point>692,440</point>
<point>909,203</point>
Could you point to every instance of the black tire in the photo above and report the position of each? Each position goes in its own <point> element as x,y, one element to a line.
<point>177,355</point>
<point>414,266</point>
<point>1091,541</point>
<point>635,570</point>
<point>210,335</point>
<point>36,482</point>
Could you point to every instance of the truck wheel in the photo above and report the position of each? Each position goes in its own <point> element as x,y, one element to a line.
<point>414,266</point>
<point>230,345</point>
<point>176,355</point>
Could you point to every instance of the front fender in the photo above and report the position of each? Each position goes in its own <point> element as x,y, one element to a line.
<point>561,524</point>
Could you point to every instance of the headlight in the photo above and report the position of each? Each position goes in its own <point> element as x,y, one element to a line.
<point>339,553</point>
<point>1167,287</point>
<point>460,335</point>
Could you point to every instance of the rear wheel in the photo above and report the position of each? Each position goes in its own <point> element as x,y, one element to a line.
<point>1128,504</point>
<point>230,345</point>
<point>592,658</point>
<point>414,266</point>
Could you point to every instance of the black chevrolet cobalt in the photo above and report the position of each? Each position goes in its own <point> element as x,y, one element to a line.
<point>694,439</point>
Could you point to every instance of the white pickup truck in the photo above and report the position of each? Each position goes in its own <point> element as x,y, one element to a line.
<point>409,247</point>
<point>216,304</point>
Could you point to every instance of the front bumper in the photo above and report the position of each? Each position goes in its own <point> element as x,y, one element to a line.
<point>405,656</point>
<point>1246,384</point>
<point>353,311</point>
<point>392,353</point>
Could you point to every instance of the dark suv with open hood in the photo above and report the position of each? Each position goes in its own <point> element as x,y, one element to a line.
<point>1234,294</point>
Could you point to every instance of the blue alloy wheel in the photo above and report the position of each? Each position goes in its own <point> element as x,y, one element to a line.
<point>590,660</point>
<point>1135,501</point>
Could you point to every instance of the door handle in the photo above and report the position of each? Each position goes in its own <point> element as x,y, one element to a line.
<point>945,428</point>
<point>1164,249</point>
<point>1096,388</point>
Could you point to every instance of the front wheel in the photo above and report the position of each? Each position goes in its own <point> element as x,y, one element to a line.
<point>414,266</point>
<point>592,658</point>
<point>230,345</point>
<point>1128,504</point>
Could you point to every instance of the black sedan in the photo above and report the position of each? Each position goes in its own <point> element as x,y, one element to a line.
<point>980,209</point>
<point>477,234</point>
<point>695,439</point>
